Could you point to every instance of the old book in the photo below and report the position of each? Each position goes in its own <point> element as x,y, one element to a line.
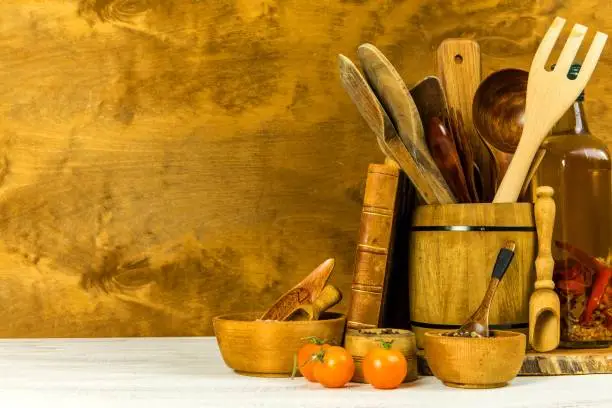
<point>386,200</point>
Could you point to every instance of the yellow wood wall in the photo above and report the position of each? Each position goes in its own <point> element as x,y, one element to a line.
<point>164,161</point>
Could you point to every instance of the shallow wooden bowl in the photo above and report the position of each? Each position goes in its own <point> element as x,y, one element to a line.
<point>266,348</point>
<point>462,362</point>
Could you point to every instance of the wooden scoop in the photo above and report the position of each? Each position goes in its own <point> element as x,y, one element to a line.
<point>544,307</point>
<point>329,297</point>
<point>478,324</point>
<point>307,291</point>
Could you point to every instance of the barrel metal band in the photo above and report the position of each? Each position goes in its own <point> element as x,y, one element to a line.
<point>456,326</point>
<point>464,228</point>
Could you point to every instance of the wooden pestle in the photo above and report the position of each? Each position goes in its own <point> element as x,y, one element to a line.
<point>329,297</point>
<point>544,307</point>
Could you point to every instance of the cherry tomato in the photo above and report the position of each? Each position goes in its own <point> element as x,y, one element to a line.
<point>307,355</point>
<point>335,367</point>
<point>384,368</point>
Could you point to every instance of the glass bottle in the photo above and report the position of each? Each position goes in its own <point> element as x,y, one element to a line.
<point>577,166</point>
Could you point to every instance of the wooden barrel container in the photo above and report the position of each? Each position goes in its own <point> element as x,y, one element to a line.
<point>453,248</point>
<point>359,342</point>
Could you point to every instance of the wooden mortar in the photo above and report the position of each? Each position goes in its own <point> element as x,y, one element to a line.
<point>359,342</point>
<point>452,251</point>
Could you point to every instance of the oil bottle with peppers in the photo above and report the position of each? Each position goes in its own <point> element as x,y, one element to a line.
<point>577,166</point>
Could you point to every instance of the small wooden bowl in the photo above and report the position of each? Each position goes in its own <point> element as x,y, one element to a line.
<point>266,348</point>
<point>359,342</point>
<point>466,362</point>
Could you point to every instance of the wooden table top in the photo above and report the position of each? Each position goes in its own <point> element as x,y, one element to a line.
<point>189,372</point>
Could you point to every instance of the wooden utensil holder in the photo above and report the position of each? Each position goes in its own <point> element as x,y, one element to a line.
<point>452,251</point>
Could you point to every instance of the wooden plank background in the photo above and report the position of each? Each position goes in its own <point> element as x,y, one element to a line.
<point>164,161</point>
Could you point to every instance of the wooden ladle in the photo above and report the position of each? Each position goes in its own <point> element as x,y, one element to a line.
<point>544,305</point>
<point>498,113</point>
<point>499,108</point>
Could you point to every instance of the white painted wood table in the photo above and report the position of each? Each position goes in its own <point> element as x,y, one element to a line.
<point>189,372</point>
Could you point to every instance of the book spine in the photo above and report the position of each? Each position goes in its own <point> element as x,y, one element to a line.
<point>374,247</point>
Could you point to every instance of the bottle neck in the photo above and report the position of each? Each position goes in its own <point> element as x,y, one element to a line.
<point>573,121</point>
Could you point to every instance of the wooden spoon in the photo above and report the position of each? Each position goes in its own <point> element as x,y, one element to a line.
<point>544,305</point>
<point>478,324</point>
<point>425,176</point>
<point>499,108</point>
<point>307,291</point>
<point>498,113</point>
<point>444,152</point>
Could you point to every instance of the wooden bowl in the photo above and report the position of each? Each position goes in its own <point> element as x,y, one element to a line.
<point>489,362</point>
<point>266,348</point>
<point>359,342</point>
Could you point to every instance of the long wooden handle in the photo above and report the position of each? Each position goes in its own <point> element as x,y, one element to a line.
<point>545,219</point>
<point>458,64</point>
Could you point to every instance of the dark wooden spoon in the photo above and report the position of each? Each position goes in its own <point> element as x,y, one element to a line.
<point>498,113</point>
<point>499,107</point>
<point>443,150</point>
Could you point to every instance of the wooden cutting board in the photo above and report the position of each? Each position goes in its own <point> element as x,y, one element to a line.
<point>557,362</point>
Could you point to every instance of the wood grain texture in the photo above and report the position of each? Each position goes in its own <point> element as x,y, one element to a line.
<point>449,271</point>
<point>162,162</point>
<point>559,362</point>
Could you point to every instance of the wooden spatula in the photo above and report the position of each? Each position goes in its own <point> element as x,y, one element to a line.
<point>549,95</point>
<point>307,291</point>
<point>423,173</point>
<point>458,66</point>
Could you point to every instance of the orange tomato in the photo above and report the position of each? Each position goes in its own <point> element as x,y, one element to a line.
<point>306,357</point>
<point>384,368</point>
<point>335,367</point>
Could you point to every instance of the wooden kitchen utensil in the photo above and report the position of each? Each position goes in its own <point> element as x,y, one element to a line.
<point>549,95</point>
<point>307,291</point>
<point>478,324</point>
<point>458,66</point>
<point>498,111</point>
<point>424,175</point>
<point>329,297</point>
<point>499,108</point>
<point>444,152</point>
<point>544,306</point>
<point>394,96</point>
<point>429,98</point>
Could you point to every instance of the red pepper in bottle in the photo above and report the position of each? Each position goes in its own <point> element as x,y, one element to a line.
<point>602,275</point>
<point>597,292</point>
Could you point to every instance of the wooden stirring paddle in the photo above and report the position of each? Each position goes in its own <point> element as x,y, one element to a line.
<point>307,291</point>
<point>544,305</point>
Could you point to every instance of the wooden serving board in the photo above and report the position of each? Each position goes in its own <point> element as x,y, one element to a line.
<point>557,362</point>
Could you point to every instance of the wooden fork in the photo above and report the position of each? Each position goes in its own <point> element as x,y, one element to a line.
<point>549,95</point>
